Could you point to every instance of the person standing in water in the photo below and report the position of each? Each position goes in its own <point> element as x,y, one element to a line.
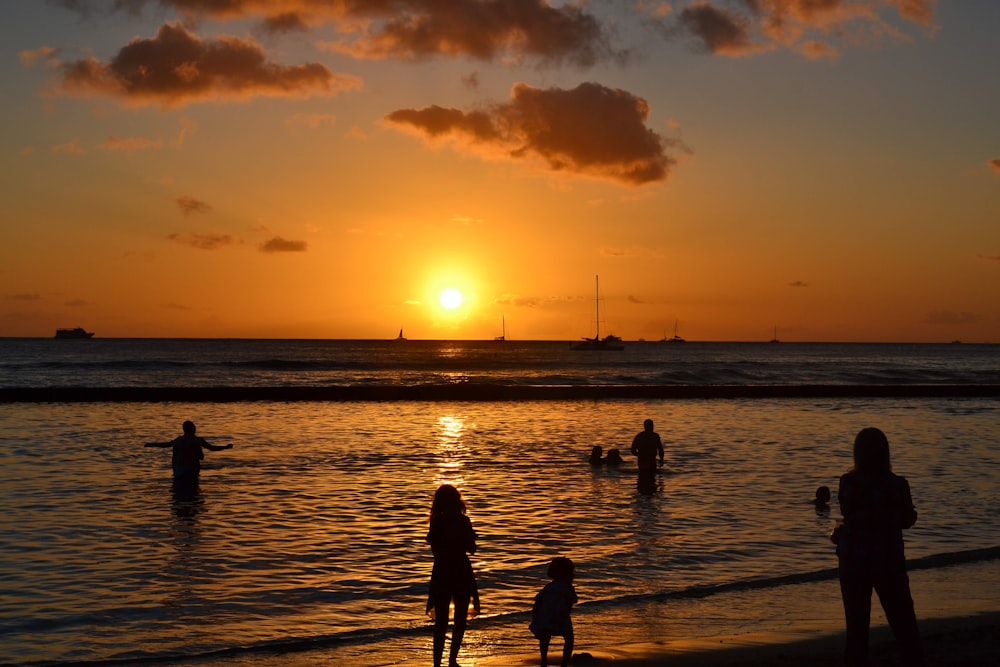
<point>452,580</point>
<point>188,453</point>
<point>647,448</point>
<point>877,506</point>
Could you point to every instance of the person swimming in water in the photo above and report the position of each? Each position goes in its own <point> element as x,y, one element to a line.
<point>188,453</point>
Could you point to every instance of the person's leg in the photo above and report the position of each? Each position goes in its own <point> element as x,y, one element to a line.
<point>894,594</point>
<point>543,648</point>
<point>856,592</point>
<point>440,627</point>
<point>567,649</point>
<point>458,630</point>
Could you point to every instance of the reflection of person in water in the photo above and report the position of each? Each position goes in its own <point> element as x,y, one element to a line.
<point>452,580</point>
<point>877,506</point>
<point>188,452</point>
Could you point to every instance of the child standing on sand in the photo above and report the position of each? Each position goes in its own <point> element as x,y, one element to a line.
<point>551,613</point>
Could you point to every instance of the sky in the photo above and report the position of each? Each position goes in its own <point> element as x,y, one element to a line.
<point>732,170</point>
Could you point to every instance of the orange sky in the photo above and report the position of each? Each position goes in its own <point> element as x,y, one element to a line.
<point>326,168</point>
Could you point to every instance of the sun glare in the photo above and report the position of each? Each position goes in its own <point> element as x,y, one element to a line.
<point>451,298</point>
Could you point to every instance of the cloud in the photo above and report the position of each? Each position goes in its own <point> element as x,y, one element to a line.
<point>188,128</point>
<point>950,317</point>
<point>212,241</point>
<point>71,148</point>
<point>24,297</point>
<point>278,244</point>
<point>177,67</point>
<point>989,258</point>
<point>798,283</point>
<point>487,30</point>
<point>190,205</point>
<point>767,24</point>
<point>311,120</point>
<point>590,130</point>
<point>130,144</point>
<point>46,53</point>
<point>995,165</point>
<point>76,303</point>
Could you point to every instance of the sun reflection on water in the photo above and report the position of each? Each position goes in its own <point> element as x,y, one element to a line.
<point>452,451</point>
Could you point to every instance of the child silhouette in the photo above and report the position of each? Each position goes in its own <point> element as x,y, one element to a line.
<point>551,613</point>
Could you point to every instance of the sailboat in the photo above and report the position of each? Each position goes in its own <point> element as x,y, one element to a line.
<point>400,336</point>
<point>675,339</point>
<point>775,339</point>
<point>609,342</point>
<point>503,330</point>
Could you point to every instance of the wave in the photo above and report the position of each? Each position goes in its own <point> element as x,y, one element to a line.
<point>377,635</point>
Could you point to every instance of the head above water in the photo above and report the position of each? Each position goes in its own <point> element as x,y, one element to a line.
<point>447,500</point>
<point>823,494</point>
<point>189,427</point>
<point>648,425</point>
<point>871,451</point>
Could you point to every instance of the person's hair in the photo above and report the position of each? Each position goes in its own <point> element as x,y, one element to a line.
<point>188,427</point>
<point>447,500</point>
<point>648,424</point>
<point>596,452</point>
<point>823,493</point>
<point>871,451</point>
<point>561,569</point>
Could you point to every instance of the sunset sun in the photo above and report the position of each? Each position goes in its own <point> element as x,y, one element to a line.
<point>451,298</point>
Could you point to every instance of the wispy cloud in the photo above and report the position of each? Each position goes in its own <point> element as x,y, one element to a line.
<point>589,130</point>
<point>278,244</point>
<point>71,148</point>
<point>31,58</point>
<point>989,258</point>
<point>994,165</point>
<point>950,317</point>
<point>211,241</point>
<point>798,283</point>
<point>24,297</point>
<point>130,144</point>
<point>190,205</point>
<point>177,67</point>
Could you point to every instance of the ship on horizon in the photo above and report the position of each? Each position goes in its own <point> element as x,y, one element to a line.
<point>77,333</point>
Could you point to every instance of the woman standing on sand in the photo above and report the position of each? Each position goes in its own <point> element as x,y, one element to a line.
<point>877,506</point>
<point>451,538</point>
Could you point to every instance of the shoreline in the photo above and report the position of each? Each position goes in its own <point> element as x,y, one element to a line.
<point>473,391</point>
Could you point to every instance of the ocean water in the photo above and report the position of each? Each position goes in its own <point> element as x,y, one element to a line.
<point>310,531</point>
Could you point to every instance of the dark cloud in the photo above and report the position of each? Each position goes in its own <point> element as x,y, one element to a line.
<point>995,165</point>
<point>177,67</point>
<point>278,244</point>
<point>989,258</point>
<point>487,30</point>
<point>798,283</point>
<point>190,205</point>
<point>590,130</point>
<point>211,241</point>
<point>75,303</point>
<point>718,31</point>
<point>745,27</point>
<point>24,297</point>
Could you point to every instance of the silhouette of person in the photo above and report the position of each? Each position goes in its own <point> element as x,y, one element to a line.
<point>647,447</point>
<point>877,506</point>
<point>550,615</point>
<point>822,499</point>
<point>614,457</point>
<point>595,455</point>
<point>451,538</point>
<point>187,455</point>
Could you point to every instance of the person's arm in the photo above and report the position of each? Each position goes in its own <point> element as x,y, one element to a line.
<point>471,546</point>
<point>215,448</point>
<point>159,444</point>
<point>909,516</point>
<point>634,448</point>
<point>659,449</point>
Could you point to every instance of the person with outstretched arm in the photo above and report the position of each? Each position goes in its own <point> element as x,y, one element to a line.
<point>188,453</point>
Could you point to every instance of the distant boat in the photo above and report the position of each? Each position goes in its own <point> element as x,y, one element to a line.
<point>775,339</point>
<point>609,342</point>
<point>70,334</point>
<point>675,339</point>
<point>503,331</point>
<point>400,336</point>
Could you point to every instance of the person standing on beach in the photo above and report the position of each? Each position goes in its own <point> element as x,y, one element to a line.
<point>647,447</point>
<point>550,615</point>
<point>877,506</point>
<point>452,580</point>
<point>188,454</point>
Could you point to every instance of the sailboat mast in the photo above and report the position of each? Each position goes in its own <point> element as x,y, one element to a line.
<point>597,303</point>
